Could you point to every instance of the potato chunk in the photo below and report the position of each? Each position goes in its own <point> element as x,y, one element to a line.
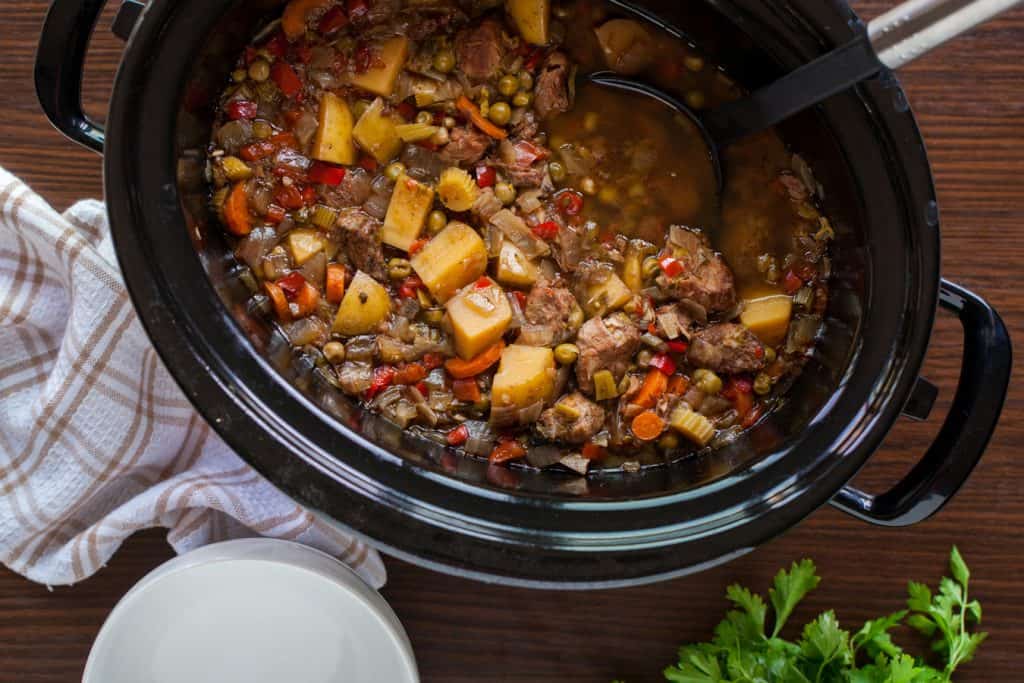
<point>304,244</point>
<point>768,318</point>
<point>514,269</point>
<point>407,212</point>
<point>479,315</point>
<point>375,132</point>
<point>380,80</point>
<point>366,305</point>
<point>526,375</point>
<point>450,261</point>
<point>333,140</point>
<point>532,18</point>
<point>607,296</point>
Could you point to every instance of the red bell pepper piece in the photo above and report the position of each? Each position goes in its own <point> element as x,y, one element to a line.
<point>672,267</point>
<point>486,176</point>
<point>483,283</point>
<point>277,45</point>
<point>791,283</point>
<point>286,78</point>
<point>432,361</point>
<point>417,245</point>
<point>406,110</point>
<point>242,109</point>
<point>548,230</point>
<point>257,151</point>
<point>521,298</point>
<point>275,214</point>
<point>458,436</point>
<point>288,196</point>
<point>569,203</point>
<point>357,9</point>
<point>409,287</point>
<point>368,164</point>
<point>506,450</point>
<point>383,376</point>
<point>333,21</point>
<point>291,284</point>
<point>328,174</point>
<point>663,362</point>
<point>677,346</point>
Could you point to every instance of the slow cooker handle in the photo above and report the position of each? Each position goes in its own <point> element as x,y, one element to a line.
<point>59,65</point>
<point>984,378</point>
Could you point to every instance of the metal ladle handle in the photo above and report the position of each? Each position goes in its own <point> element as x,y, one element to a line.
<point>916,27</point>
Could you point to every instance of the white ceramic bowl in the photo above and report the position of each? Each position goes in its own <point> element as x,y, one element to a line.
<point>252,611</point>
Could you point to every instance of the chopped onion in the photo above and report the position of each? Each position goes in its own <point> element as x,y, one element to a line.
<point>311,330</point>
<point>315,269</point>
<point>253,247</point>
<point>481,438</point>
<point>544,455</point>
<point>515,229</point>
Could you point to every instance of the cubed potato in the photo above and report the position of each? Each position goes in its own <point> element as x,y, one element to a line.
<point>375,133</point>
<point>366,305</point>
<point>333,140</point>
<point>608,296</point>
<point>532,18</point>
<point>407,213</point>
<point>514,269</point>
<point>380,80</point>
<point>768,318</point>
<point>628,46</point>
<point>304,244</point>
<point>526,375</point>
<point>450,261</point>
<point>479,315</point>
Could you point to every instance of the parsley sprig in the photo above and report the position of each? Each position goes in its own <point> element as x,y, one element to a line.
<point>748,647</point>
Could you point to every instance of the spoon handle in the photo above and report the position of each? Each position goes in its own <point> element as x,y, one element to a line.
<point>893,39</point>
<point>913,28</point>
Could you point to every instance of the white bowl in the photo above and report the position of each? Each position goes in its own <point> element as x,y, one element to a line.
<point>252,611</point>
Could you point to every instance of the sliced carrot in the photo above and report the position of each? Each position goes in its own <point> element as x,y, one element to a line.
<point>461,369</point>
<point>410,374</point>
<point>293,21</point>
<point>678,384</point>
<point>647,426</point>
<point>473,112</point>
<point>592,451</point>
<point>466,390</point>
<point>653,388</point>
<point>279,300</point>
<point>743,402</point>
<point>335,283</point>
<point>307,299</point>
<point>236,211</point>
<point>506,450</point>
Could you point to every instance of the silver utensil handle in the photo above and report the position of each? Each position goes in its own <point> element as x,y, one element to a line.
<point>915,27</point>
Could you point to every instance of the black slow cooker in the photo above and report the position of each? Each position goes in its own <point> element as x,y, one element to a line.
<point>420,502</point>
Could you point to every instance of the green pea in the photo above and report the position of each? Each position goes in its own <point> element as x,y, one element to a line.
<point>425,117</point>
<point>433,316</point>
<point>508,85</point>
<point>762,384</point>
<point>707,381</point>
<point>557,171</point>
<point>259,70</point>
<point>394,170</point>
<point>399,268</point>
<point>525,80</point>
<point>769,355</point>
<point>505,193</point>
<point>649,269</point>
<point>522,99</point>
<point>694,63</point>
<point>669,442</point>
<point>500,113</point>
<point>436,221</point>
<point>262,130</point>
<point>334,352</point>
<point>444,61</point>
<point>695,99</point>
<point>566,354</point>
<point>238,75</point>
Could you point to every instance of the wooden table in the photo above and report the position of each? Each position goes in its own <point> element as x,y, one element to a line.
<point>971,107</point>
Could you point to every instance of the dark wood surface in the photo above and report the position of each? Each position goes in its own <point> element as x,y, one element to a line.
<point>971,106</point>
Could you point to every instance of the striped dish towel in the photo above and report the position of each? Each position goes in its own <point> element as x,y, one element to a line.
<point>96,439</point>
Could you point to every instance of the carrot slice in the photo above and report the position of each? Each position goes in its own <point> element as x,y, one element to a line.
<point>506,450</point>
<point>461,369</point>
<point>647,426</point>
<point>466,390</point>
<point>307,299</point>
<point>335,283</point>
<point>293,21</point>
<point>592,451</point>
<point>410,374</point>
<point>236,211</point>
<point>678,384</point>
<point>655,384</point>
<point>473,112</point>
<point>279,300</point>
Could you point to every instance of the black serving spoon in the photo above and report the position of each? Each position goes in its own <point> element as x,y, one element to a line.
<point>893,39</point>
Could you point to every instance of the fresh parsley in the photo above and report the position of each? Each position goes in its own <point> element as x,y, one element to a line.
<point>748,647</point>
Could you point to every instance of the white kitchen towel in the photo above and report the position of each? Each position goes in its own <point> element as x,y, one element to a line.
<point>96,439</point>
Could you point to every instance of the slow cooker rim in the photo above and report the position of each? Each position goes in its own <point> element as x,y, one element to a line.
<point>154,325</point>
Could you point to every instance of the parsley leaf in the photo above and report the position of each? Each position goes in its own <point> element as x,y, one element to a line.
<point>742,651</point>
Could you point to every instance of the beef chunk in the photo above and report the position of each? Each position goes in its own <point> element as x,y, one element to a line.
<point>551,95</point>
<point>556,426</point>
<point>479,50</point>
<point>548,309</point>
<point>353,190</point>
<point>677,320</point>
<point>381,11</point>
<point>527,127</point>
<point>727,348</point>
<point>605,344</point>
<point>468,145</point>
<point>706,278</point>
<point>360,238</point>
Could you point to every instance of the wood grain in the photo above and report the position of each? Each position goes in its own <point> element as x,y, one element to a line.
<point>971,108</point>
